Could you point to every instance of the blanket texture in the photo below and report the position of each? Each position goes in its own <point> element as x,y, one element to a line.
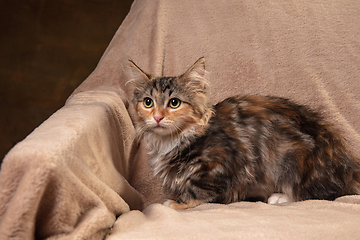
<point>79,175</point>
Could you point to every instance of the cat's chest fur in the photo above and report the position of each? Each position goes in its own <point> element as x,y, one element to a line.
<point>163,152</point>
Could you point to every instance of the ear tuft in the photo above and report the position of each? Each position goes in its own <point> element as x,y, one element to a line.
<point>196,76</point>
<point>137,76</point>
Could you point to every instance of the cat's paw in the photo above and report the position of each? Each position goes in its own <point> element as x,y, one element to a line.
<point>168,203</point>
<point>278,198</point>
<point>182,206</point>
<point>174,205</point>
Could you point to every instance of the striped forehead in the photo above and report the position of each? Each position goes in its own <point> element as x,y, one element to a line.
<point>163,86</point>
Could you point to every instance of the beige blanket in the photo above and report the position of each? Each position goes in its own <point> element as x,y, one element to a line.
<point>79,175</point>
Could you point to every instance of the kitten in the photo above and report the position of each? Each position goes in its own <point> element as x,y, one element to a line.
<point>243,148</point>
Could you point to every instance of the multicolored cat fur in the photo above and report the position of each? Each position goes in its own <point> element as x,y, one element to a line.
<point>243,148</point>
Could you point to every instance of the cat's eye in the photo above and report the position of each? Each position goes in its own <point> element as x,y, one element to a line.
<point>174,103</point>
<point>148,102</point>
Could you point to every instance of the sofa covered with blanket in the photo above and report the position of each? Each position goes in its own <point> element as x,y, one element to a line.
<point>81,175</point>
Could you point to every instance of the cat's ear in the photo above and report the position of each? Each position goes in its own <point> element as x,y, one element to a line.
<point>196,76</point>
<point>137,77</point>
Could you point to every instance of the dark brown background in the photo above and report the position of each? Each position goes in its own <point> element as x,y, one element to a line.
<point>47,48</point>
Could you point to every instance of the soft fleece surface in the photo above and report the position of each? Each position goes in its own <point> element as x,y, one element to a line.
<point>79,175</point>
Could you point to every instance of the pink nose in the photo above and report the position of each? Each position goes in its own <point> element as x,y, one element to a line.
<point>158,118</point>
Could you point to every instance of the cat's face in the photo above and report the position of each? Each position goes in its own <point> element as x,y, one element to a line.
<point>164,109</point>
<point>171,106</point>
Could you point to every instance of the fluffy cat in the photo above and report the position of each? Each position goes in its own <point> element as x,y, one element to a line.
<point>243,148</point>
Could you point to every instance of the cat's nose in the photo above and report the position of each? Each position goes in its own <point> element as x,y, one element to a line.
<point>158,118</point>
